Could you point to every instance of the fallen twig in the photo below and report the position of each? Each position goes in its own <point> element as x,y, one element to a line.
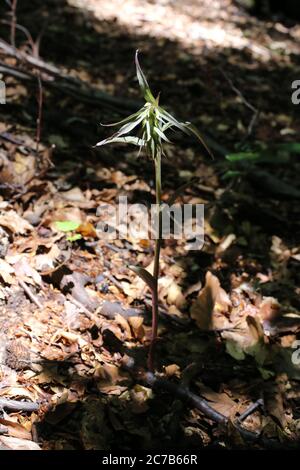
<point>259,403</point>
<point>184,394</point>
<point>30,294</point>
<point>56,78</point>
<point>159,383</point>
<point>14,405</point>
<point>246,103</point>
<point>78,304</point>
<point>13,22</point>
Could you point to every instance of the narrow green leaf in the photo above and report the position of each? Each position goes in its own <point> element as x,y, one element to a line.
<point>185,127</point>
<point>195,131</point>
<point>143,81</point>
<point>167,126</point>
<point>126,128</point>
<point>173,121</point>
<point>293,147</point>
<point>123,121</point>
<point>242,156</point>
<point>161,135</point>
<point>123,140</point>
<point>123,130</point>
<point>231,174</point>
<point>148,130</point>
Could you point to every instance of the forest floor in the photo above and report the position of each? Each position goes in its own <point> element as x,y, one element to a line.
<point>71,311</point>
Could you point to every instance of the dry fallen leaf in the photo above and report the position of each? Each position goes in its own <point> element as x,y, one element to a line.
<point>14,222</point>
<point>87,230</point>
<point>74,195</point>
<point>136,324</point>
<point>13,443</point>
<point>171,291</point>
<point>220,402</point>
<point>25,272</point>
<point>172,369</point>
<point>6,271</point>
<point>16,429</point>
<point>211,298</point>
<point>273,402</point>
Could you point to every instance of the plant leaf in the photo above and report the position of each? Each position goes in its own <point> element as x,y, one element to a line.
<point>73,238</point>
<point>185,127</point>
<point>242,156</point>
<point>144,275</point>
<point>173,121</point>
<point>126,128</point>
<point>293,147</point>
<point>195,131</point>
<point>123,140</point>
<point>123,121</point>
<point>67,225</point>
<point>143,81</point>
<point>161,135</point>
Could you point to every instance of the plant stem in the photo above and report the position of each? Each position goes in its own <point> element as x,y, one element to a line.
<point>13,23</point>
<point>40,111</point>
<point>156,261</point>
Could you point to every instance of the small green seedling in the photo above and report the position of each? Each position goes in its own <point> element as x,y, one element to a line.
<point>69,226</point>
<point>152,121</point>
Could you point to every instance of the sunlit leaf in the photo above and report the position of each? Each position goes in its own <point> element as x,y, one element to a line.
<point>73,238</point>
<point>67,225</point>
<point>123,140</point>
<point>130,125</point>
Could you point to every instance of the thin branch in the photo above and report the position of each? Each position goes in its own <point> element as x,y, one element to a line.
<point>258,404</point>
<point>254,110</point>
<point>14,405</point>
<point>69,85</point>
<point>184,394</point>
<point>13,23</point>
<point>30,294</point>
<point>23,29</point>
<point>202,405</point>
<point>40,112</point>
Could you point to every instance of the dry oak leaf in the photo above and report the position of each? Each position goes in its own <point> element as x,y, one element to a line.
<point>212,298</point>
